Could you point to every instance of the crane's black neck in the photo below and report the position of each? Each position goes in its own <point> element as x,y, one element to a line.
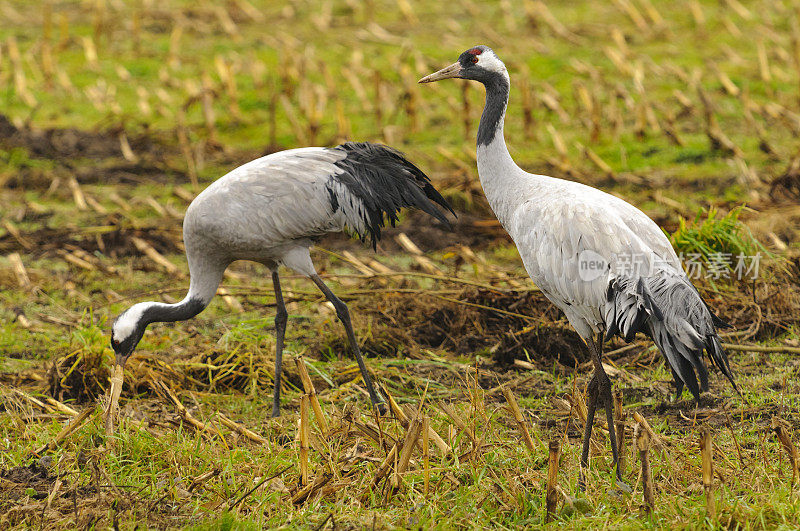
<point>163,313</point>
<point>157,312</point>
<point>497,88</point>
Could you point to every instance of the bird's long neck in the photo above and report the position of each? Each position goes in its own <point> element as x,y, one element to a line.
<point>206,276</point>
<point>159,312</point>
<point>498,173</point>
<point>494,111</point>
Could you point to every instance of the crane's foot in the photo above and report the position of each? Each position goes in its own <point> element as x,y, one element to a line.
<point>622,486</point>
<point>276,412</point>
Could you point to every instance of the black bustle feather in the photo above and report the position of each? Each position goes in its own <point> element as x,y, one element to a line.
<point>663,303</point>
<point>719,323</point>
<point>384,181</point>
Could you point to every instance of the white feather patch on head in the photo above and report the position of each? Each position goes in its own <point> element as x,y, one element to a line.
<point>127,322</point>
<point>489,61</point>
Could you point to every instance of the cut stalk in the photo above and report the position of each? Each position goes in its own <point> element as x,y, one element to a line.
<point>241,430</point>
<point>398,412</point>
<point>513,407</point>
<point>554,450</point>
<point>620,428</point>
<point>304,402</point>
<point>426,429</point>
<point>414,429</point>
<point>790,448</point>
<point>708,472</point>
<point>643,444</point>
<point>308,387</point>
<point>113,401</point>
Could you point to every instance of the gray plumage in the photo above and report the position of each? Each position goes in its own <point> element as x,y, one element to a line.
<point>669,309</point>
<point>270,211</point>
<point>642,287</point>
<point>557,225</point>
<point>262,210</point>
<point>602,261</point>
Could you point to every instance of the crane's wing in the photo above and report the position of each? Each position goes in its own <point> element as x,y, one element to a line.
<point>607,265</point>
<point>310,191</point>
<point>666,306</point>
<point>268,201</point>
<point>574,244</point>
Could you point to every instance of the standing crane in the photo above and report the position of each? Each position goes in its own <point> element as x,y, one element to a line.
<point>601,260</point>
<point>271,210</point>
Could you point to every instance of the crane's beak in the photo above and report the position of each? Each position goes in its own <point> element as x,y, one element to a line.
<point>454,70</point>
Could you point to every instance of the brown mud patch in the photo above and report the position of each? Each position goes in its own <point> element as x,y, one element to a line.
<point>33,474</point>
<point>89,156</point>
<point>786,187</point>
<point>115,243</point>
<point>404,324</point>
<point>68,144</point>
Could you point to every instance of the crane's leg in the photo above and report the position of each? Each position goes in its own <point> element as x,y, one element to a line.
<point>608,400</point>
<point>600,391</point>
<point>587,432</point>
<point>280,331</point>
<point>344,316</point>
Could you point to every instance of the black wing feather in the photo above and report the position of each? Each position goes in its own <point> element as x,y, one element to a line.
<point>385,181</point>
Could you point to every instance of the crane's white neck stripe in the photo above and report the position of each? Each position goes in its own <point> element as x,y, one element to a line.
<point>488,60</point>
<point>126,324</point>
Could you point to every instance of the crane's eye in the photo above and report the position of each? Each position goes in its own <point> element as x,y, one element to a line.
<point>474,59</point>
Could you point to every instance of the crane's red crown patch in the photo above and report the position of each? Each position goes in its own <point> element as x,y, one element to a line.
<point>475,51</point>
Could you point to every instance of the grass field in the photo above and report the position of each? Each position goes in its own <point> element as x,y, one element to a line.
<point>114,115</point>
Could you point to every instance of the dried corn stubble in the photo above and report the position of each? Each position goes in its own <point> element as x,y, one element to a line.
<point>551,499</point>
<point>707,458</point>
<point>84,375</point>
<point>114,392</point>
<point>643,442</point>
<point>80,376</point>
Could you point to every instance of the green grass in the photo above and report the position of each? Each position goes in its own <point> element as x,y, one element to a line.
<point>297,53</point>
<point>154,463</point>
<point>716,235</point>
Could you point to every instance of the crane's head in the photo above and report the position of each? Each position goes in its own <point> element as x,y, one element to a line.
<point>479,63</point>
<point>127,331</point>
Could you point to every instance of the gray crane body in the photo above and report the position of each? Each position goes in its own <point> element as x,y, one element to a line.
<point>271,210</point>
<point>602,261</point>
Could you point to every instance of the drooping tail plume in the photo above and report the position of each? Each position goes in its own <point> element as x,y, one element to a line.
<point>669,309</point>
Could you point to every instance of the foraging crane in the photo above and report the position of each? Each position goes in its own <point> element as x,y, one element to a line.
<point>601,260</point>
<point>271,210</point>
